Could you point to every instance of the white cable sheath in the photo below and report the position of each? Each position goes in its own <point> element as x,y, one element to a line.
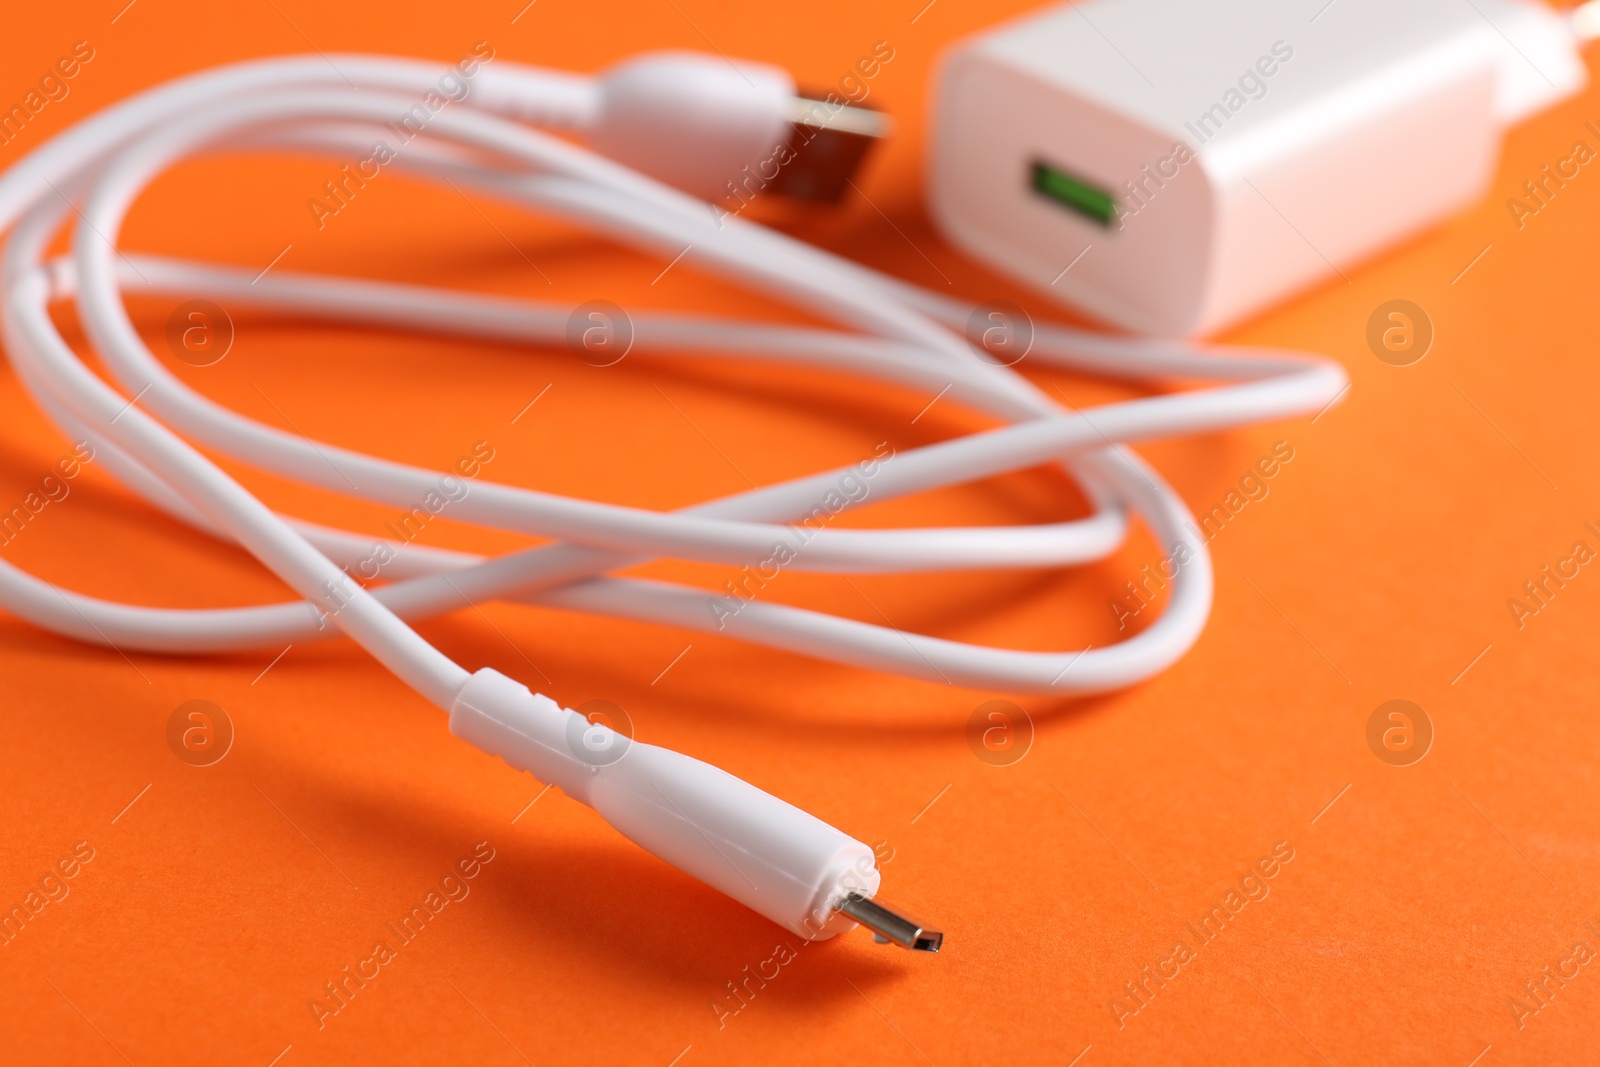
<point>148,429</point>
<point>754,847</point>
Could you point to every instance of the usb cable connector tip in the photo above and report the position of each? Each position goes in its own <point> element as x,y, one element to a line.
<point>828,142</point>
<point>888,925</point>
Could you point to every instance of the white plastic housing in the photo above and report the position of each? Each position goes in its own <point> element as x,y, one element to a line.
<point>1315,143</point>
<point>692,120</point>
<point>765,853</point>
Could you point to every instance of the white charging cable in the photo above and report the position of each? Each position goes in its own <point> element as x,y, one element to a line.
<point>683,118</point>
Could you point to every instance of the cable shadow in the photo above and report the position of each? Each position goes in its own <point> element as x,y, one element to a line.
<point>607,900</point>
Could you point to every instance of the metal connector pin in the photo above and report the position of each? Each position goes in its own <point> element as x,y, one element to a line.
<point>887,925</point>
<point>828,140</point>
<point>822,113</point>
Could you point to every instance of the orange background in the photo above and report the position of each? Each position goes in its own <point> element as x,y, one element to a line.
<point>221,901</point>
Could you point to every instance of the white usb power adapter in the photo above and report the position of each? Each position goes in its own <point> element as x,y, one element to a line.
<point>1174,166</point>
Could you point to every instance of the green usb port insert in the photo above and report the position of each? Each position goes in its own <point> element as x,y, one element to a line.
<point>1090,201</point>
